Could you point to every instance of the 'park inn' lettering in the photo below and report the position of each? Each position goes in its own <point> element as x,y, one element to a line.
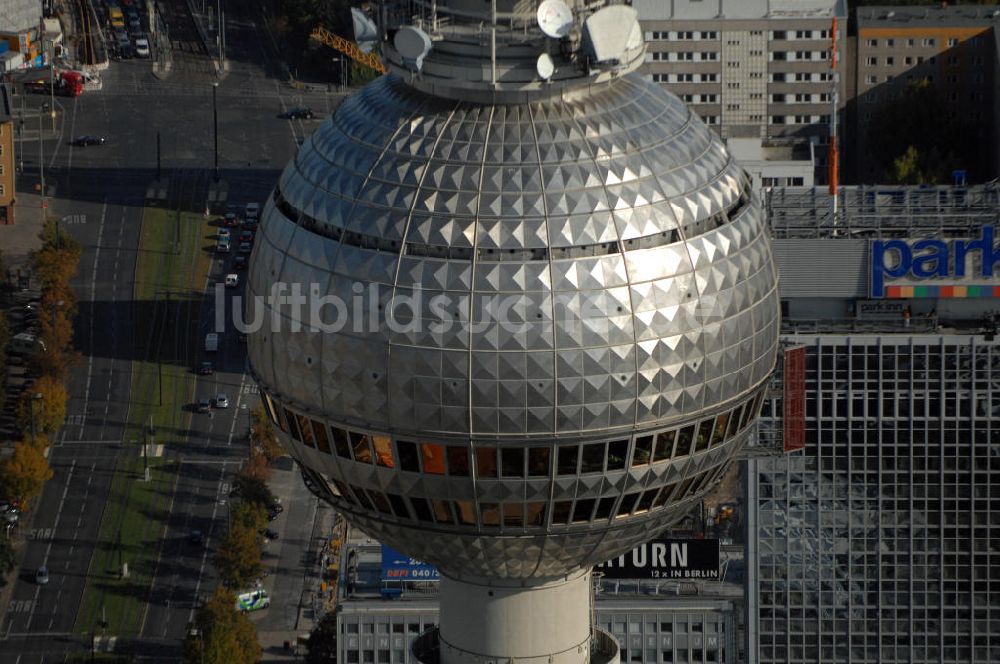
<point>914,261</point>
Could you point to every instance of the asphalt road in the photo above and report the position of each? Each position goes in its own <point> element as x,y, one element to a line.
<point>99,193</point>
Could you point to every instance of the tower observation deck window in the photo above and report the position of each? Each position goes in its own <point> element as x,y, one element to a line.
<point>665,445</point>
<point>568,456</point>
<point>293,427</point>
<point>422,509</point>
<point>442,511</point>
<point>561,511</point>
<point>628,504</point>
<point>641,455</point>
<point>685,437</point>
<point>512,461</point>
<point>534,514</point>
<point>458,461</point>
<point>305,430</point>
<point>322,440</point>
<point>538,461</point>
<point>408,457</point>
<point>486,461</point>
<point>361,444</point>
<point>513,515</point>
<point>593,458</point>
<point>383,451</point>
<point>704,436</point>
<point>433,458</point>
<point>605,506</point>
<point>582,510</point>
<point>490,514</point>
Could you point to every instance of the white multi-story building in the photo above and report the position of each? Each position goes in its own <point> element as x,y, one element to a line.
<point>750,68</point>
<point>877,542</point>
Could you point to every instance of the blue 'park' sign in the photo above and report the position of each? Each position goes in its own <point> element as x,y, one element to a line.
<point>935,268</point>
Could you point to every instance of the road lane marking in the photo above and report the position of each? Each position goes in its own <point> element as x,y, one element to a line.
<point>48,549</point>
<point>93,298</point>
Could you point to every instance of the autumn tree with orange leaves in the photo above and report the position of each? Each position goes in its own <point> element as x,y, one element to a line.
<point>24,473</point>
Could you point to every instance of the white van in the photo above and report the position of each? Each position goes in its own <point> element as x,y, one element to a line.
<point>232,280</point>
<point>25,343</point>
<point>253,600</point>
<point>211,342</point>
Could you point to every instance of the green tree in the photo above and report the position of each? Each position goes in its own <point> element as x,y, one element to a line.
<point>221,634</point>
<point>24,473</point>
<point>321,648</point>
<point>915,139</point>
<point>238,558</point>
<point>49,410</point>
<point>253,490</point>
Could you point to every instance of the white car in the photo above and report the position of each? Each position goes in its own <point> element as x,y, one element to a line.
<point>142,48</point>
<point>221,400</point>
<point>232,280</point>
<point>252,211</point>
<point>42,575</point>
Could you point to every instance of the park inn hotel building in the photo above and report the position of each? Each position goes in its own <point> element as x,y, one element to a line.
<point>880,540</point>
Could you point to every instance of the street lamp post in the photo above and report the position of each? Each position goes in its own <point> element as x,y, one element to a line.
<point>41,162</point>
<point>215,121</point>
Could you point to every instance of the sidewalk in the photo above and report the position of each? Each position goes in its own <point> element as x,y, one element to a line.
<point>21,237</point>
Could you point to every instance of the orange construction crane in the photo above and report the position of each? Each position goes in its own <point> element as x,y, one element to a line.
<point>349,48</point>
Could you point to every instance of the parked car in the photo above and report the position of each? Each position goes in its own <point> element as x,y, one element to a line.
<point>246,236</point>
<point>224,234</point>
<point>245,247</point>
<point>269,533</point>
<point>222,400</point>
<point>252,211</point>
<point>272,514</point>
<point>142,47</point>
<point>298,113</point>
<point>85,141</point>
<point>206,369</point>
<point>230,219</point>
<point>240,263</point>
<point>42,576</point>
<point>223,246</point>
<point>204,406</point>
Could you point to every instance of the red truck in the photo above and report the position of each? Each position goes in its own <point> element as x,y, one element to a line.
<point>67,84</point>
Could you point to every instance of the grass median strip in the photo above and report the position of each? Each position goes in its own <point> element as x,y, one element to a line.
<point>170,277</point>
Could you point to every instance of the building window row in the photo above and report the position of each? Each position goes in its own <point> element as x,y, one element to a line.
<point>684,56</point>
<point>799,56</point>
<point>517,514</point>
<point>686,78</point>
<point>800,34</point>
<point>686,35</point>
<point>487,460</point>
<point>801,77</point>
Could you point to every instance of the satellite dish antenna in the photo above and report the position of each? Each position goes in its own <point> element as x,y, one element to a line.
<point>612,34</point>
<point>413,44</point>
<point>545,67</point>
<point>555,18</point>
<point>363,30</point>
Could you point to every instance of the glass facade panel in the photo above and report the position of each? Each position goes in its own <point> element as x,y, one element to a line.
<point>568,459</point>
<point>458,461</point>
<point>593,458</point>
<point>538,461</point>
<point>409,459</point>
<point>319,435</point>
<point>432,455</point>
<point>664,445</point>
<point>641,455</point>
<point>486,461</point>
<point>383,451</point>
<point>361,444</point>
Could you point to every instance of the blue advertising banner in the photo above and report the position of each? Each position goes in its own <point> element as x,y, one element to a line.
<point>398,566</point>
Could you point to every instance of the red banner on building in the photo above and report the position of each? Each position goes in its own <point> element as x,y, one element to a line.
<point>794,398</point>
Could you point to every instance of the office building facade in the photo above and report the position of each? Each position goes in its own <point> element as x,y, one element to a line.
<point>954,49</point>
<point>877,542</point>
<point>750,68</point>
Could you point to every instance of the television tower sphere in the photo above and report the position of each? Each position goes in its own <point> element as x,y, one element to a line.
<point>513,327</point>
